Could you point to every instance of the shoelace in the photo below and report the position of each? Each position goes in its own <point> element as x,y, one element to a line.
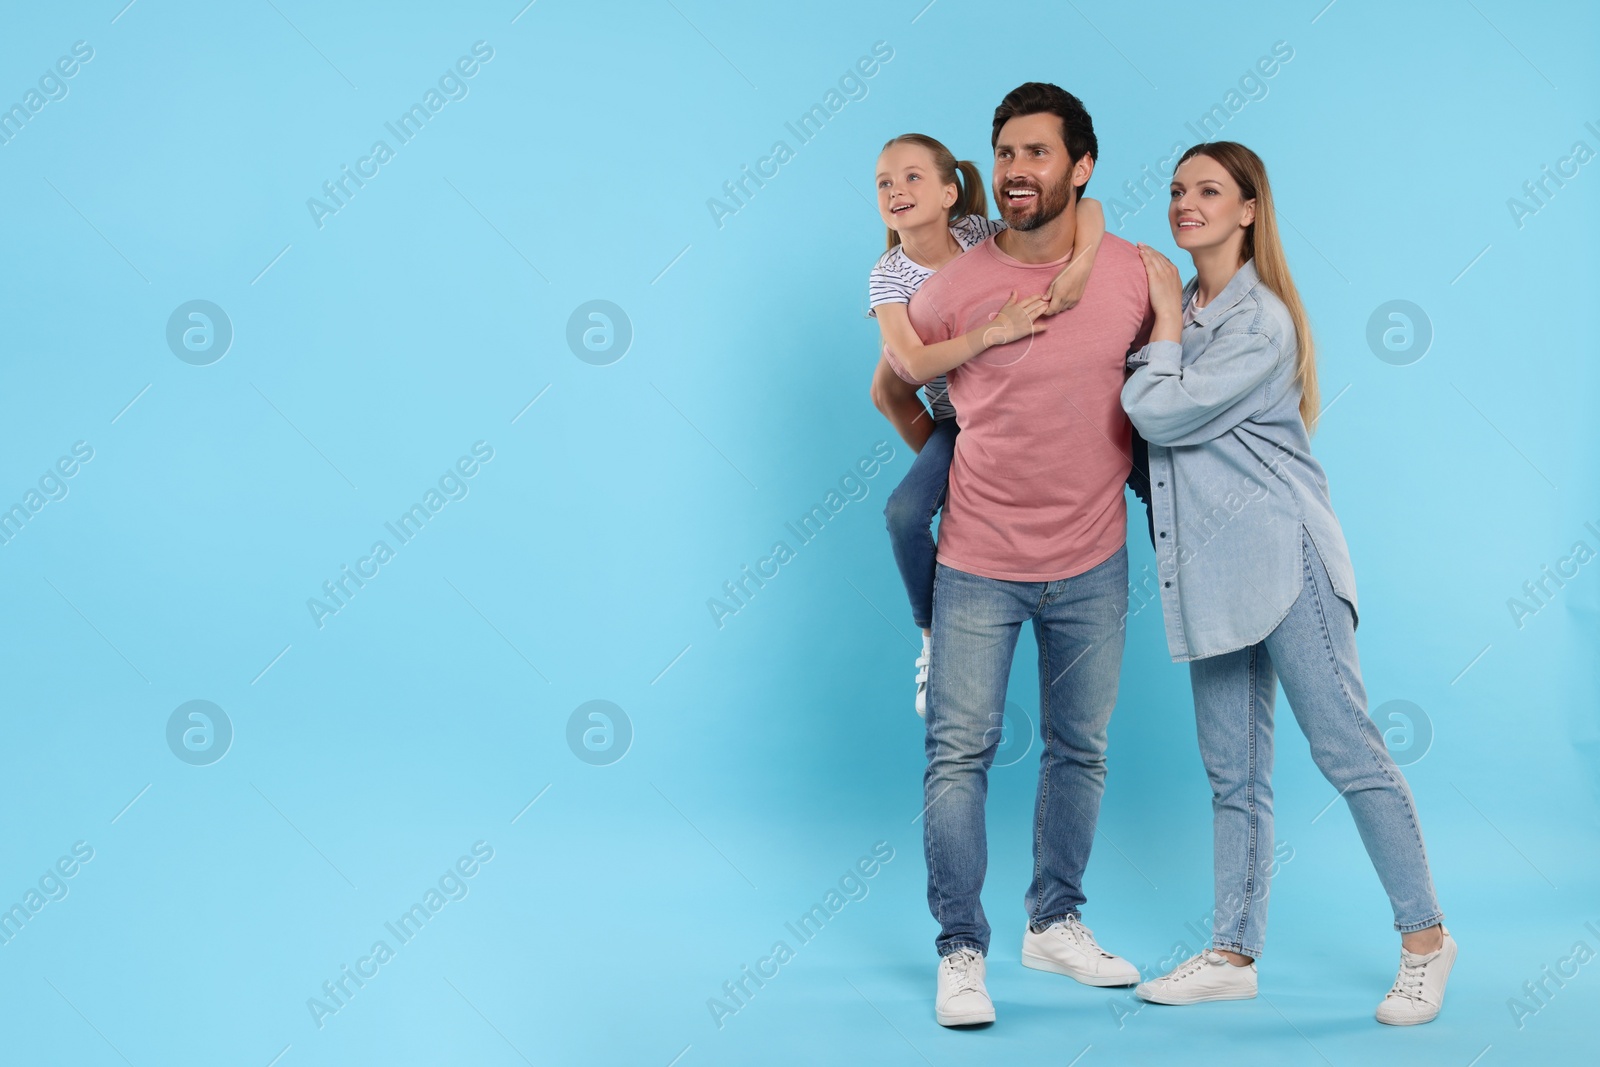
<point>962,978</point>
<point>1191,966</point>
<point>1408,983</point>
<point>1082,936</point>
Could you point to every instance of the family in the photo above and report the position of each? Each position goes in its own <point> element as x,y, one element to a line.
<point>1061,363</point>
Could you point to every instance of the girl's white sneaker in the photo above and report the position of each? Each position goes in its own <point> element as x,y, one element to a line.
<point>923,660</point>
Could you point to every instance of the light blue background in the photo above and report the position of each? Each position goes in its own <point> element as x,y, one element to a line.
<point>768,754</point>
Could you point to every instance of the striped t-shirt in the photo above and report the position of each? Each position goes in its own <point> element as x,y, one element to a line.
<point>895,278</point>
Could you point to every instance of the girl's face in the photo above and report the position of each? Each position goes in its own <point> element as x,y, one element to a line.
<point>909,193</point>
<point>1208,209</point>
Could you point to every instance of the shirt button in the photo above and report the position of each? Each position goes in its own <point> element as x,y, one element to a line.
<point>1161,485</point>
<point>1167,584</point>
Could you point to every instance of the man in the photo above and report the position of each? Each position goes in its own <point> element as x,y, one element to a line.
<point>1033,529</point>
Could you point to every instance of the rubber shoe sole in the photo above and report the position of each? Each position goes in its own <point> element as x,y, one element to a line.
<point>1153,997</point>
<point>970,1018</point>
<point>1041,963</point>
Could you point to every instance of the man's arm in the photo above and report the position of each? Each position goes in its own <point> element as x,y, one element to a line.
<point>897,399</point>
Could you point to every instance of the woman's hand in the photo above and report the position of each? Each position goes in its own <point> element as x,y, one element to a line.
<point>1015,320</point>
<point>1166,294</point>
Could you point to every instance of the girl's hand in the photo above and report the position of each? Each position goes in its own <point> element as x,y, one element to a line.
<point>1166,287</point>
<point>1066,289</point>
<point>1015,320</point>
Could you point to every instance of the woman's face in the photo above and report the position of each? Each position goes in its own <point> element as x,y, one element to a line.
<point>909,193</point>
<point>1208,209</point>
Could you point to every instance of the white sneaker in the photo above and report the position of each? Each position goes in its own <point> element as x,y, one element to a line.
<point>962,999</point>
<point>1418,991</point>
<point>1068,947</point>
<point>1208,976</point>
<point>923,660</point>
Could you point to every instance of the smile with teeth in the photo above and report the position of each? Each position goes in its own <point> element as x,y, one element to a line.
<point>897,208</point>
<point>1189,224</point>
<point>1020,194</point>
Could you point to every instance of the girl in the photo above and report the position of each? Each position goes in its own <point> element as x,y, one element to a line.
<point>935,209</point>
<point>1256,584</point>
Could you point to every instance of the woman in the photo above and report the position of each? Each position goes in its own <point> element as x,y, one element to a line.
<point>1256,584</point>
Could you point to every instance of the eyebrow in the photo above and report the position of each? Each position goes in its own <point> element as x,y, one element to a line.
<point>1030,144</point>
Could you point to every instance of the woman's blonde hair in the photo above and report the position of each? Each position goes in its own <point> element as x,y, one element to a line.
<point>962,173</point>
<point>1262,243</point>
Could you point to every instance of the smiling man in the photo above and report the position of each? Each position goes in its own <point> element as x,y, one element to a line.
<point>1034,529</point>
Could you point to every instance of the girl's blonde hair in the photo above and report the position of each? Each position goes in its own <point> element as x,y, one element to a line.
<point>1262,243</point>
<point>962,173</point>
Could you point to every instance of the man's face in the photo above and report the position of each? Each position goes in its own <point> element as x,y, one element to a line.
<point>1033,178</point>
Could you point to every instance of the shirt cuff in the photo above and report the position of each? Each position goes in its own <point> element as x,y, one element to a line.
<point>1169,354</point>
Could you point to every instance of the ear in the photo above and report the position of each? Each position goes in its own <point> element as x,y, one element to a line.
<point>1249,213</point>
<point>951,192</point>
<point>1083,169</point>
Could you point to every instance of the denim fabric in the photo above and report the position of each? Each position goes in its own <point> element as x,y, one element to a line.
<point>1234,478</point>
<point>1313,652</point>
<point>909,514</point>
<point>1077,622</point>
<point>1139,480</point>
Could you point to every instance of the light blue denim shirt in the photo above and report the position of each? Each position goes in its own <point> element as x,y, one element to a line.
<point>1232,479</point>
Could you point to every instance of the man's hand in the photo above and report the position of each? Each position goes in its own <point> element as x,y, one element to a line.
<point>1017,319</point>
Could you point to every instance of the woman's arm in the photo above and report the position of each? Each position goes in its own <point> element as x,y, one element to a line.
<point>1067,288</point>
<point>926,362</point>
<point>1171,404</point>
<point>897,399</point>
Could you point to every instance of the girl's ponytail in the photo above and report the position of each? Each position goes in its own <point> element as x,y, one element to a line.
<point>972,200</point>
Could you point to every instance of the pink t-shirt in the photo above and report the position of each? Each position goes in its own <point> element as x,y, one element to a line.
<point>1036,486</point>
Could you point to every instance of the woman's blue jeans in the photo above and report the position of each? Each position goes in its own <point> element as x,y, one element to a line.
<point>1313,652</point>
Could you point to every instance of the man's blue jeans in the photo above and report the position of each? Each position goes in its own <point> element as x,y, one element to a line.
<point>1078,623</point>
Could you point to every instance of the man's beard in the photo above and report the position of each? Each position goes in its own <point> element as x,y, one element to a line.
<point>1049,204</point>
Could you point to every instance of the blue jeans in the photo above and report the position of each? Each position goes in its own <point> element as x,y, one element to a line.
<point>921,493</point>
<point>1077,622</point>
<point>910,511</point>
<point>1313,652</point>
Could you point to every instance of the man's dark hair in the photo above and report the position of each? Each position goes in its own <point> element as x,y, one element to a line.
<point>1043,98</point>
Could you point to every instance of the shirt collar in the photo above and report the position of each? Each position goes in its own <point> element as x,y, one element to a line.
<point>1243,280</point>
